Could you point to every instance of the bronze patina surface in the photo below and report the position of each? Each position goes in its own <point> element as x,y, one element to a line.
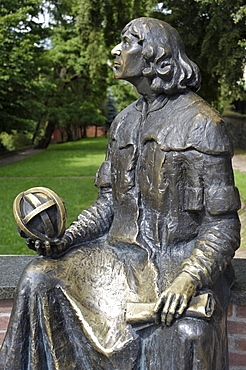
<point>141,280</point>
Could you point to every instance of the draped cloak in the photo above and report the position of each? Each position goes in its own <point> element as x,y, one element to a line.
<point>166,204</point>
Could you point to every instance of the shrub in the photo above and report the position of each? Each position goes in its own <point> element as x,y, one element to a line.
<point>14,140</point>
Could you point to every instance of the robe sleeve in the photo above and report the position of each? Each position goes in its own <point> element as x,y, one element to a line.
<point>96,220</point>
<point>219,231</point>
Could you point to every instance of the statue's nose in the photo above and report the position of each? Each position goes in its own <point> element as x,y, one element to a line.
<point>116,50</point>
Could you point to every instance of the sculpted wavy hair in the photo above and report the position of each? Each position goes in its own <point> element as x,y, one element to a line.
<point>168,67</point>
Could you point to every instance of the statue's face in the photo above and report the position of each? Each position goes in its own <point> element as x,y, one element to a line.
<point>129,62</point>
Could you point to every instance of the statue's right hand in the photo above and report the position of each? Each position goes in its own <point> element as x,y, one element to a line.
<point>52,248</point>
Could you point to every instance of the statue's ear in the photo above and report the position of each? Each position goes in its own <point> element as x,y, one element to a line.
<point>163,62</point>
<point>163,68</point>
<point>148,53</point>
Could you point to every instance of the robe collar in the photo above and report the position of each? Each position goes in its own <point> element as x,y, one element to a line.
<point>159,103</point>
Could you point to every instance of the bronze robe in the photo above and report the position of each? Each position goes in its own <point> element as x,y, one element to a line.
<point>167,203</point>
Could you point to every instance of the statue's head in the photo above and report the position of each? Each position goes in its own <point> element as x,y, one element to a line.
<point>163,58</point>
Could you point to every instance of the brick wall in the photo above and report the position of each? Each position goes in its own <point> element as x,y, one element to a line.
<point>5,311</point>
<point>60,135</point>
<point>236,324</point>
<point>236,331</point>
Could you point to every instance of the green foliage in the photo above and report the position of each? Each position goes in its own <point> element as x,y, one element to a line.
<point>124,94</point>
<point>90,115</point>
<point>21,49</point>
<point>239,14</point>
<point>6,140</point>
<point>58,74</point>
<point>99,24</point>
<point>15,140</point>
<point>214,42</point>
<point>76,99</point>
<point>41,85</point>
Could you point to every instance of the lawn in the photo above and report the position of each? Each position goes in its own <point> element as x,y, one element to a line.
<point>240,180</point>
<point>80,158</point>
<point>69,170</point>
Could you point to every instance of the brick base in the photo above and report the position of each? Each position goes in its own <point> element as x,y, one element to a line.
<point>236,324</point>
<point>5,311</point>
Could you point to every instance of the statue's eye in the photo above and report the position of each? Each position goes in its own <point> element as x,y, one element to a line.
<point>126,41</point>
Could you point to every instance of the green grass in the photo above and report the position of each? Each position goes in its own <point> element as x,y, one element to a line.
<point>79,158</point>
<point>59,168</point>
<point>240,151</point>
<point>240,180</point>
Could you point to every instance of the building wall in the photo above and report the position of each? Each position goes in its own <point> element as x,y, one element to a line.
<point>5,311</point>
<point>236,324</point>
<point>59,135</point>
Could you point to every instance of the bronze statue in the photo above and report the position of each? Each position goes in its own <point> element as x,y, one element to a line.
<point>141,280</point>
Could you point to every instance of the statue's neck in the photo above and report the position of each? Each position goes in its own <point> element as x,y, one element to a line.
<point>142,85</point>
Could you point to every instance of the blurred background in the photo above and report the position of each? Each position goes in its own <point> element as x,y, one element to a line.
<point>56,69</point>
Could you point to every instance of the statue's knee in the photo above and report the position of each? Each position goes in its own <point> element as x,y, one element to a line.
<point>192,329</point>
<point>36,274</point>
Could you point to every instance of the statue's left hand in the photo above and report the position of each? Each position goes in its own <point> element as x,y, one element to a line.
<point>175,299</point>
<point>52,248</point>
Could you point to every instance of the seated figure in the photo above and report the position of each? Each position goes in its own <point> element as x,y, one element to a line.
<point>163,230</point>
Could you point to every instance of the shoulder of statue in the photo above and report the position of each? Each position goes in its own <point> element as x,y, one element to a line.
<point>215,138</point>
<point>200,125</point>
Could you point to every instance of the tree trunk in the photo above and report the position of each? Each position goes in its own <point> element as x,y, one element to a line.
<point>38,125</point>
<point>69,133</point>
<point>35,134</point>
<point>45,141</point>
<point>84,135</point>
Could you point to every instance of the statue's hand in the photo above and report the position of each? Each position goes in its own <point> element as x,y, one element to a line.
<point>52,248</point>
<point>175,299</point>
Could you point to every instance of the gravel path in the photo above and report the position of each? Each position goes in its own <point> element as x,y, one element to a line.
<point>17,157</point>
<point>239,163</point>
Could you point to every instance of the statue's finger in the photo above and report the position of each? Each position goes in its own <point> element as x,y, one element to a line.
<point>48,248</point>
<point>174,304</point>
<point>177,314</point>
<point>172,309</point>
<point>160,303</point>
<point>183,306</point>
<point>167,305</point>
<point>169,319</point>
<point>165,309</point>
<point>38,247</point>
<point>60,245</point>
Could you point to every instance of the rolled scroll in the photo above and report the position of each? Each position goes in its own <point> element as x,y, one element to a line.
<point>201,306</point>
